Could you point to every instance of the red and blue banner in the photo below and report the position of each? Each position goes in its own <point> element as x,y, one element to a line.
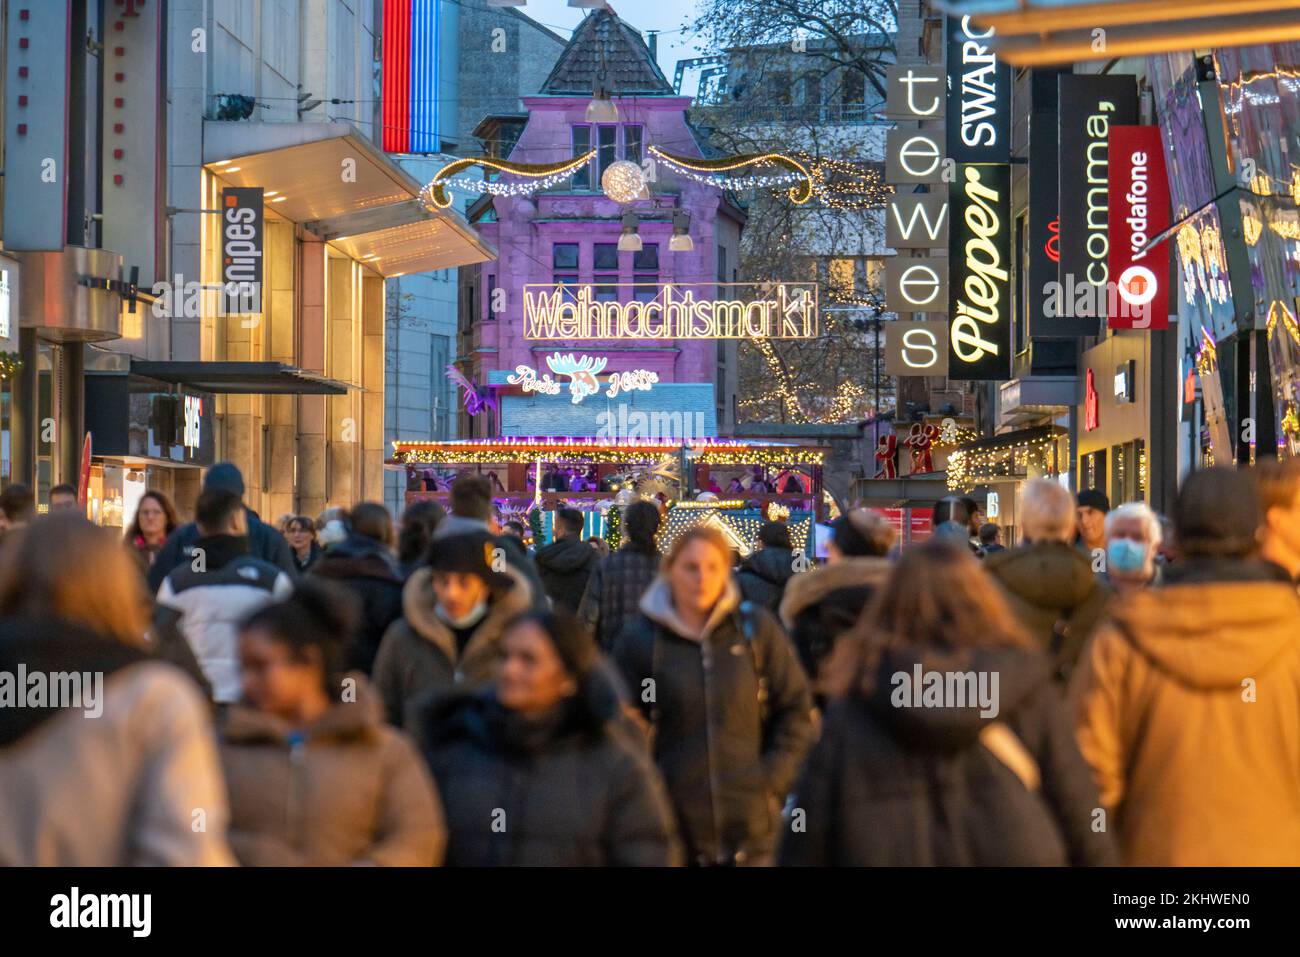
<point>410,72</point>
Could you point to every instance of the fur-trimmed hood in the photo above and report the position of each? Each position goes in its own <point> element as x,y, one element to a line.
<point>807,589</point>
<point>418,603</point>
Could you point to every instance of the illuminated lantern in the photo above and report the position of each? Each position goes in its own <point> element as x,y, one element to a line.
<point>623,182</point>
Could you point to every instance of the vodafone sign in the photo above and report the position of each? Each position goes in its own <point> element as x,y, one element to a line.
<point>1139,211</point>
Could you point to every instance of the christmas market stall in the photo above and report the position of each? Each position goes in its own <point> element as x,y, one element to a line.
<point>734,484</point>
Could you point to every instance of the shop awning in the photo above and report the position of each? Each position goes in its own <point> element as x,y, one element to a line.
<point>339,186</point>
<point>1055,32</point>
<point>240,378</point>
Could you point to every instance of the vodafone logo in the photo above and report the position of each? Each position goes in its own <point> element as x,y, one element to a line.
<point>1137,285</point>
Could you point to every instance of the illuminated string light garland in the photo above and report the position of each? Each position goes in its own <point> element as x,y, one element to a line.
<point>799,194</point>
<point>970,467</point>
<point>435,197</point>
<point>575,450</point>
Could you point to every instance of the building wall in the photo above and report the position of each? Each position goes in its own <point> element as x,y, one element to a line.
<point>528,228</point>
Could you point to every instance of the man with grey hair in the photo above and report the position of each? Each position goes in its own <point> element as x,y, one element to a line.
<point>1050,584</point>
<point>1133,537</point>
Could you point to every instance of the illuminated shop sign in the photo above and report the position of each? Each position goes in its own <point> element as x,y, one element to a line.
<point>784,310</point>
<point>979,262</point>
<point>916,285</point>
<point>192,435</point>
<point>979,108</point>
<point>1091,403</point>
<point>241,249</point>
<point>915,92</point>
<point>916,348</point>
<point>582,373</point>
<point>1139,201</point>
<point>914,156</point>
<point>917,221</point>
<point>1089,107</point>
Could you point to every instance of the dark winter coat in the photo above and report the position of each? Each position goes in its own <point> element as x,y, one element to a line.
<point>264,542</point>
<point>823,603</point>
<point>1056,595</point>
<point>614,592</point>
<point>418,652</point>
<point>517,556</point>
<point>365,568</point>
<point>731,716</point>
<point>564,567</point>
<point>570,790</point>
<point>893,784</point>
<point>763,575</point>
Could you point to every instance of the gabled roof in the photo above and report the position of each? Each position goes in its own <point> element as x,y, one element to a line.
<point>603,40</point>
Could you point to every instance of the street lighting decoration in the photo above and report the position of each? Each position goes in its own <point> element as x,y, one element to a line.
<point>434,195</point>
<point>799,193</point>
<point>623,182</point>
<point>601,109</point>
<point>629,241</point>
<point>681,241</point>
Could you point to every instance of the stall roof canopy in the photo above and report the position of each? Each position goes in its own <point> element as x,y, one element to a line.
<point>241,378</point>
<point>1059,32</point>
<point>1008,440</point>
<point>339,186</point>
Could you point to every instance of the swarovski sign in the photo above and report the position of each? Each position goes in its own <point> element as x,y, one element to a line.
<point>979,116</point>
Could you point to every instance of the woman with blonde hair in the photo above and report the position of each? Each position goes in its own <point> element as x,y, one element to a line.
<point>125,788</point>
<point>729,704</point>
<point>947,742</point>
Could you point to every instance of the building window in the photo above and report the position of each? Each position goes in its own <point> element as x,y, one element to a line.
<point>491,298</point>
<point>854,95</point>
<point>874,274</point>
<point>564,256</point>
<point>840,279</point>
<point>646,258</point>
<point>581,145</point>
<point>607,147</point>
<point>722,264</point>
<point>632,143</point>
<point>605,257</point>
<point>812,96</point>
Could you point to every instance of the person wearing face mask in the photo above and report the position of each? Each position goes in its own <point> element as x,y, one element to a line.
<point>542,750</point>
<point>731,716</point>
<point>1185,701</point>
<point>1133,537</point>
<point>453,614</point>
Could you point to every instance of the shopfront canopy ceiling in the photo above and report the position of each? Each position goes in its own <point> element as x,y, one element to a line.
<point>1057,32</point>
<point>339,186</point>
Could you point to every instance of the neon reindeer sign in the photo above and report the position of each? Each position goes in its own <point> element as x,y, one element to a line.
<point>583,374</point>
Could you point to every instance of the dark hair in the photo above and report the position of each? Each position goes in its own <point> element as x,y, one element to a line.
<point>1217,513</point>
<point>304,523</point>
<point>313,616</point>
<point>373,521</point>
<point>988,533</point>
<point>571,520</point>
<point>471,497</point>
<point>641,521</point>
<point>17,502</point>
<point>214,509</point>
<point>951,509</point>
<point>419,522</point>
<point>517,525</point>
<point>775,535</point>
<point>169,514</point>
<point>597,700</point>
<point>1094,498</point>
<point>63,488</point>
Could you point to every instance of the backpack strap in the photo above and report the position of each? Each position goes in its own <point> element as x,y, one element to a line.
<point>747,616</point>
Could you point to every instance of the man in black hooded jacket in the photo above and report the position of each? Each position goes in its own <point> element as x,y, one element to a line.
<point>565,565</point>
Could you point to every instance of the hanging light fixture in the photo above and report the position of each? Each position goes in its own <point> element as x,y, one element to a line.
<point>507,3</point>
<point>601,109</point>
<point>629,241</point>
<point>681,241</point>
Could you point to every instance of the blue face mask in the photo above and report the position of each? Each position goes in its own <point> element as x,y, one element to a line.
<point>1126,555</point>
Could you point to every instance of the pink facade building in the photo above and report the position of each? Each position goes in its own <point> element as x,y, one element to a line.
<point>569,234</point>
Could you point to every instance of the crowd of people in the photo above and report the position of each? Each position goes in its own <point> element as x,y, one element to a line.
<point>1113,687</point>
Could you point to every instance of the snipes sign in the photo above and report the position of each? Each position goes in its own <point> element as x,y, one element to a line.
<point>1139,204</point>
